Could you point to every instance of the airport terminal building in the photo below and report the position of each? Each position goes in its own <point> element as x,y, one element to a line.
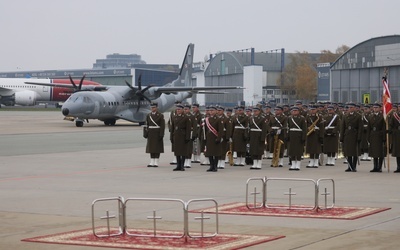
<point>115,69</point>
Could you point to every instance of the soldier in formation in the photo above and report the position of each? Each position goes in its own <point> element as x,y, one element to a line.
<point>350,136</point>
<point>180,136</point>
<point>214,133</point>
<point>277,126</point>
<point>364,144</point>
<point>315,136</point>
<point>297,132</point>
<point>376,136</point>
<point>240,135</point>
<point>154,133</point>
<point>394,132</point>
<point>258,131</point>
<point>331,135</point>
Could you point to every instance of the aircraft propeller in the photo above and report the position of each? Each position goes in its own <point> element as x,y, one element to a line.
<point>139,91</point>
<point>79,87</point>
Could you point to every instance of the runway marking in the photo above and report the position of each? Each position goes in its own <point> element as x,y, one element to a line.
<point>66,175</point>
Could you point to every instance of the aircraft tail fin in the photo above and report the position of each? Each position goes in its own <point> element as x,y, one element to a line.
<point>185,75</point>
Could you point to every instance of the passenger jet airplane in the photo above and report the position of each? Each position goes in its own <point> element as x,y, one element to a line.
<point>15,91</point>
<point>133,103</point>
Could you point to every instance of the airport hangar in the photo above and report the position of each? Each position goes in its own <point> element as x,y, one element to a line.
<point>356,76</point>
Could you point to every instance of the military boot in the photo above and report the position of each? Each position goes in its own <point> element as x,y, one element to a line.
<point>354,165</point>
<point>349,162</point>
<point>380,163</point>
<point>211,159</point>
<point>398,165</point>
<point>375,165</point>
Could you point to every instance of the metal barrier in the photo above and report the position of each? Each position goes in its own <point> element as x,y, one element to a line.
<point>124,229</point>
<point>326,194</point>
<point>290,194</point>
<point>264,204</point>
<point>263,188</point>
<point>154,217</point>
<point>201,218</point>
<point>121,217</point>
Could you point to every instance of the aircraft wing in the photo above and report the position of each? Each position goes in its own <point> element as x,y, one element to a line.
<point>69,86</point>
<point>6,91</point>
<point>192,89</point>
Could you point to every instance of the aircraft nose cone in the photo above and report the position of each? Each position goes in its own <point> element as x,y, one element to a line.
<point>65,111</point>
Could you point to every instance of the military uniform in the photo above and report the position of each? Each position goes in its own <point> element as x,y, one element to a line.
<point>268,116</point>
<point>180,136</point>
<point>202,137</point>
<point>169,123</point>
<point>331,136</point>
<point>258,132</point>
<point>350,136</point>
<point>297,134</point>
<point>214,129</point>
<point>394,131</point>
<point>155,127</point>
<point>364,140</point>
<point>240,137</point>
<point>197,132</point>
<point>277,129</point>
<point>193,122</point>
<point>226,137</point>
<point>314,139</point>
<point>376,133</point>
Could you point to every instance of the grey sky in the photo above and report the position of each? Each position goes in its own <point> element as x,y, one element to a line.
<point>72,34</point>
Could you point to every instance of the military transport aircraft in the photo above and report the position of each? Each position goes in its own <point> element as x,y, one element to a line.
<point>133,103</point>
<point>15,91</point>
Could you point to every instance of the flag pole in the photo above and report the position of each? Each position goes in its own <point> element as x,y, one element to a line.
<point>387,144</point>
<point>386,120</point>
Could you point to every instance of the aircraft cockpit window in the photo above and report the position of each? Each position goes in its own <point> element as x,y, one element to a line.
<point>74,98</point>
<point>87,99</point>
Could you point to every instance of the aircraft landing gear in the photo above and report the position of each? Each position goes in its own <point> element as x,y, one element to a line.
<point>79,123</point>
<point>109,122</point>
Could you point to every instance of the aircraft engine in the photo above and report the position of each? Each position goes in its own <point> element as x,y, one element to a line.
<point>25,98</point>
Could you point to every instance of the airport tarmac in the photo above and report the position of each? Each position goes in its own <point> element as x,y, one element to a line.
<point>51,171</point>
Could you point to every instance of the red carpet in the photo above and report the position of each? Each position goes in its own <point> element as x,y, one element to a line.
<point>221,241</point>
<point>343,213</point>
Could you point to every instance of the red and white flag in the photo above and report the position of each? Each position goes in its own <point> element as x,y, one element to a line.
<point>386,101</point>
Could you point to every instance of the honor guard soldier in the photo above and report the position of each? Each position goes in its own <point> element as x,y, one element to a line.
<point>180,136</point>
<point>193,135</point>
<point>202,137</point>
<point>196,143</point>
<point>248,111</point>
<point>258,132</point>
<point>350,136</point>
<point>154,133</point>
<point>315,136</point>
<point>331,135</point>
<point>226,137</point>
<point>376,134</point>
<point>240,135</point>
<point>394,133</point>
<point>277,133</point>
<point>171,117</point>
<point>229,135</point>
<point>214,129</point>
<point>268,116</point>
<point>364,140</point>
<point>299,104</point>
<point>296,135</point>
<point>286,110</point>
